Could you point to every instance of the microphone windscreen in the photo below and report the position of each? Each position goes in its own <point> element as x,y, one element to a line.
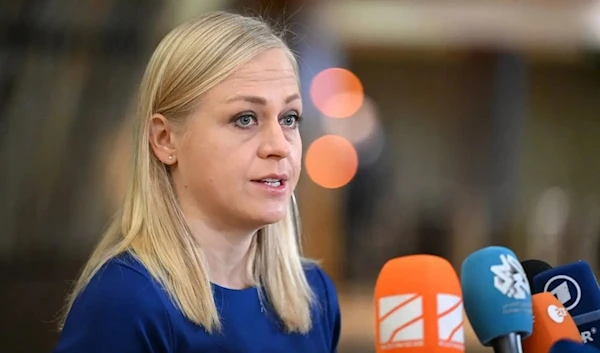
<point>551,323</point>
<point>532,268</point>
<point>418,307</point>
<point>568,346</point>
<point>573,284</point>
<point>496,294</point>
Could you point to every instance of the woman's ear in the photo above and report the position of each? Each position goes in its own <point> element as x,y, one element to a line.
<point>162,139</point>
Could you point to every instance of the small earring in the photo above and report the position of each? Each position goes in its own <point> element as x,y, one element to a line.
<point>170,157</point>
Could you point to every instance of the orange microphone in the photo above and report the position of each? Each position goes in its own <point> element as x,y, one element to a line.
<point>418,307</point>
<point>551,323</point>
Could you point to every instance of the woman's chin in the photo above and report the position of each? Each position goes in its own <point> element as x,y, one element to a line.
<point>265,217</point>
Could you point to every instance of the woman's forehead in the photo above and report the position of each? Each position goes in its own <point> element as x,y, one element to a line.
<point>263,76</point>
<point>272,65</point>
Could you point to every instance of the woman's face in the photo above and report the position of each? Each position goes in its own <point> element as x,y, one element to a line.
<point>238,159</point>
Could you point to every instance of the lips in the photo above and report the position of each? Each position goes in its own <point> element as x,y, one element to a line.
<point>272,180</point>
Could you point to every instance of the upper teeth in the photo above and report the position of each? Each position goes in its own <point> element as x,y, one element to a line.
<point>272,182</point>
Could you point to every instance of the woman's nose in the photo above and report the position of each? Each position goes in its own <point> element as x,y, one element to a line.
<point>274,143</point>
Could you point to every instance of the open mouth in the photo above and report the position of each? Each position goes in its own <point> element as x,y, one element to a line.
<point>271,182</point>
<point>274,183</point>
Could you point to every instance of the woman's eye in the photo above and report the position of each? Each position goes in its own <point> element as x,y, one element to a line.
<point>290,120</point>
<point>245,121</point>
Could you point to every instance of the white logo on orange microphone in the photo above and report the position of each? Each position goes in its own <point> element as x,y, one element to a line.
<point>450,321</point>
<point>556,313</point>
<point>401,321</point>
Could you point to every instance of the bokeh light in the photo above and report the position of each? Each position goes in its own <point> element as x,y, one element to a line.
<point>337,93</point>
<point>359,127</point>
<point>331,161</point>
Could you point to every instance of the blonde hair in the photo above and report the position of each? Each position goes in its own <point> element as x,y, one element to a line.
<point>188,62</point>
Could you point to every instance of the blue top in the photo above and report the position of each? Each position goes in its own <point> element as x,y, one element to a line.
<point>123,309</point>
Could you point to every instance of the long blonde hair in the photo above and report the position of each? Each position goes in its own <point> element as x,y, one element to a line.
<point>189,61</point>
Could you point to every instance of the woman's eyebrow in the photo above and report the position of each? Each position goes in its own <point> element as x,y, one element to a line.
<point>261,100</point>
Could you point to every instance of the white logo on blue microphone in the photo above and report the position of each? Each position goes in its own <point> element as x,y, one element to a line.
<point>562,293</point>
<point>588,336</point>
<point>510,279</point>
<point>565,290</point>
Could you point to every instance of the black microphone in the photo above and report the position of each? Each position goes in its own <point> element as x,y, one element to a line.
<point>532,268</point>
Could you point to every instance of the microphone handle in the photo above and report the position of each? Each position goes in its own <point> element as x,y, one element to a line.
<point>510,343</point>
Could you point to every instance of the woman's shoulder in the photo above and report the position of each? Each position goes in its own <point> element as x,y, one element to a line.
<point>126,264</point>
<point>327,297</point>
<point>124,282</point>
<point>317,278</point>
<point>322,285</point>
<point>120,309</point>
<point>123,269</point>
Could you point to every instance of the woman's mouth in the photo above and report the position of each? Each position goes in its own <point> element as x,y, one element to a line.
<point>272,182</point>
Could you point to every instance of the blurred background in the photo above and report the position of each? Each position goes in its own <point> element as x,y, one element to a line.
<point>431,127</point>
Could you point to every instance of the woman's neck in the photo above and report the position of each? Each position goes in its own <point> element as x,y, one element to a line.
<point>225,253</point>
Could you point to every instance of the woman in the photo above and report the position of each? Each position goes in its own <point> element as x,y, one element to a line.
<point>203,256</point>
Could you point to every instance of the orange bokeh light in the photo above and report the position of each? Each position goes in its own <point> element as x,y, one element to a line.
<point>331,161</point>
<point>337,93</point>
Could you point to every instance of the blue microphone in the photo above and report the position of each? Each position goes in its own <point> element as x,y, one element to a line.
<point>575,286</point>
<point>567,346</point>
<point>497,298</point>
